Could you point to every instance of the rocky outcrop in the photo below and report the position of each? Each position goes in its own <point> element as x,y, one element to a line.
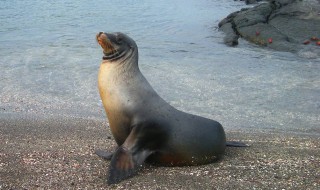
<point>285,25</point>
<point>251,1</point>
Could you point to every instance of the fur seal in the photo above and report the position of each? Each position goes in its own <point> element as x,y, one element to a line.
<point>145,126</point>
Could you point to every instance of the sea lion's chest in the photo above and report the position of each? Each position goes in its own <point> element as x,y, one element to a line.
<point>114,105</point>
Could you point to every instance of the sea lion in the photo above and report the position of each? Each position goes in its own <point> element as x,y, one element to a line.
<point>145,126</point>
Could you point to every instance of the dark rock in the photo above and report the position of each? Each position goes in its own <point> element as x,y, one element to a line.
<point>254,16</point>
<point>287,23</point>
<point>231,38</point>
<point>251,1</point>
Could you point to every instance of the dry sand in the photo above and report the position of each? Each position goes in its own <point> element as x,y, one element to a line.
<point>51,152</point>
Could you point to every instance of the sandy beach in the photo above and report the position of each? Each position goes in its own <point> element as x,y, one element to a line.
<point>52,119</point>
<point>56,152</point>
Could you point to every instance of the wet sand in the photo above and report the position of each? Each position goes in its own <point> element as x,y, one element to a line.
<point>57,152</point>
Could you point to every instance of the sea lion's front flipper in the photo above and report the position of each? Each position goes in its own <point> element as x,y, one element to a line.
<point>236,144</point>
<point>124,164</point>
<point>128,158</point>
<point>104,154</point>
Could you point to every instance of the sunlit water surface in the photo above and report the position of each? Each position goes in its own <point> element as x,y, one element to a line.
<point>49,61</point>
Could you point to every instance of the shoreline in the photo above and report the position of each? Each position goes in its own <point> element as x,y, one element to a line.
<point>58,153</point>
<point>52,120</point>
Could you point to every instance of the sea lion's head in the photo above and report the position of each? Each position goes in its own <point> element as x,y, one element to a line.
<point>116,46</point>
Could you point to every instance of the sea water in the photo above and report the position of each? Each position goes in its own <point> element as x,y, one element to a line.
<point>49,61</point>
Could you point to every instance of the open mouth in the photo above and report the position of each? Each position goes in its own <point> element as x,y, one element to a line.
<point>105,43</point>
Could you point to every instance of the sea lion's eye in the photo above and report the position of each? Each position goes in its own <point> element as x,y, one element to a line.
<point>119,39</point>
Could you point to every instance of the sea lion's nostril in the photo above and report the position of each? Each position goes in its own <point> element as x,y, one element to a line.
<point>98,35</point>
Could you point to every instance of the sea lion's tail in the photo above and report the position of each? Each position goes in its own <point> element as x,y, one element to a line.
<point>236,144</point>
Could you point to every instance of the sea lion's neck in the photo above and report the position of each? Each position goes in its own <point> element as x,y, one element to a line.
<point>122,59</point>
<point>118,80</point>
<point>127,67</point>
<point>122,89</point>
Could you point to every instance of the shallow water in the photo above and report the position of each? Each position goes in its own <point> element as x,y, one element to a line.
<point>49,61</point>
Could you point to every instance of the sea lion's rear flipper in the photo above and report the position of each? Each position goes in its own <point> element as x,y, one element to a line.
<point>104,154</point>
<point>236,144</point>
<point>142,141</point>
